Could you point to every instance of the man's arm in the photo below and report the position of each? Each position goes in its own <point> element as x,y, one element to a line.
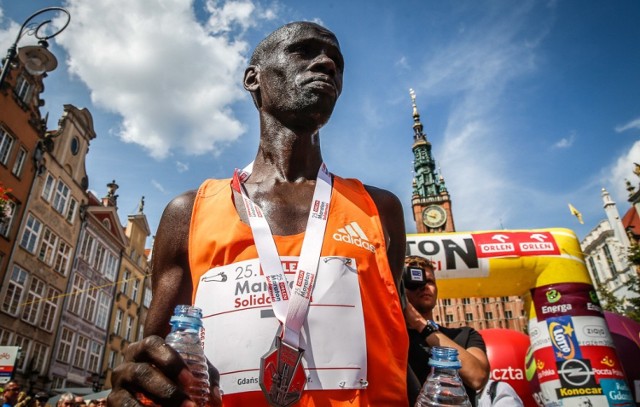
<point>151,369</point>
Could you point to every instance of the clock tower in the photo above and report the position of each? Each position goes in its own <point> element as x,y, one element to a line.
<point>430,200</point>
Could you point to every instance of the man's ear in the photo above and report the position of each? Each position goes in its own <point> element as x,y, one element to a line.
<point>251,81</point>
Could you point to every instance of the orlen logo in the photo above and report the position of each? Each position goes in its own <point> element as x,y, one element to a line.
<point>561,338</point>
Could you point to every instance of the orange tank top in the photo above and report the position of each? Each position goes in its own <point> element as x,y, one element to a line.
<point>218,238</point>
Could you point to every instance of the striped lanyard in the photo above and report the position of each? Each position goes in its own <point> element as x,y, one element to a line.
<point>290,306</point>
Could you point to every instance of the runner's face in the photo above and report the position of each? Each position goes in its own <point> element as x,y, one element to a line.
<point>302,73</point>
<point>424,298</point>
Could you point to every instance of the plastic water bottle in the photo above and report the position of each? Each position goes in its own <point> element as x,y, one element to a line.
<point>443,386</point>
<point>186,328</point>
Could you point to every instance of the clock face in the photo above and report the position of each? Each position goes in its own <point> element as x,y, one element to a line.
<point>434,216</point>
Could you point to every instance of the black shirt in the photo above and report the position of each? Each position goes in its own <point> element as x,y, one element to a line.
<point>419,351</point>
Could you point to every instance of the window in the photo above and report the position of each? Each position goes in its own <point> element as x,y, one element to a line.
<point>58,382</point>
<point>594,270</point>
<point>488,315</point>
<point>71,210</point>
<point>607,254</point>
<point>62,258</point>
<point>140,333</point>
<point>90,304</point>
<point>25,348</point>
<point>75,297</point>
<point>14,292</point>
<point>5,337</point>
<point>19,163</point>
<point>99,257</point>
<point>147,297</point>
<point>135,289</point>
<point>485,300</point>
<point>60,197</point>
<point>466,301</point>
<point>87,247</point>
<point>112,359</point>
<point>117,326</point>
<point>110,269</point>
<point>80,354</point>
<point>94,356</point>
<point>5,226</point>
<point>31,233</point>
<point>33,301</point>
<point>6,142</point>
<point>448,318</point>
<point>49,309</point>
<point>446,302</point>
<point>124,287</point>
<point>24,89</point>
<point>103,311</point>
<point>64,347</point>
<point>47,246</point>
<point>47,189</point>
<point>39,355</point>
<point>508,314</point>
<point>468,317</point>
<point>127,334</point>
<point>504,299</point>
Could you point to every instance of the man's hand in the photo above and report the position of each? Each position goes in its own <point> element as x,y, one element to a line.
<point>154,371</point>
<point>413,318</point>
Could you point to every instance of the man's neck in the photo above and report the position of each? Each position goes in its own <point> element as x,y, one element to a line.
<point>286,155</point>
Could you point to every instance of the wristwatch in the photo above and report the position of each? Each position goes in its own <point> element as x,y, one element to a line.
<point>428,329</point>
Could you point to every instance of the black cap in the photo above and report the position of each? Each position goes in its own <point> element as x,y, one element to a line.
<point>414,277</point>
<point>42,396</point>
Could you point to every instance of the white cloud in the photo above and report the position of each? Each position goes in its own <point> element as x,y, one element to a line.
<point>565,142</point>
<point>158,186</point>
<point>633,124</point>
<point>623,169</point>
<point>170,79</point>
<point>182,167</point>
<point>475,68</point>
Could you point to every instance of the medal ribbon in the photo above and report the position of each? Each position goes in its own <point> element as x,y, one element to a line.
<point>289,306</point>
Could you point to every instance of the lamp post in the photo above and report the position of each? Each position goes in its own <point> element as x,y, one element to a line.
<point>37,58</point>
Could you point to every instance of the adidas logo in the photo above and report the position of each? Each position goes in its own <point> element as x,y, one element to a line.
<point>353,234</point>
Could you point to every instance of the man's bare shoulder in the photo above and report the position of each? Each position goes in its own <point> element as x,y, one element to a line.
<point>386,201</point>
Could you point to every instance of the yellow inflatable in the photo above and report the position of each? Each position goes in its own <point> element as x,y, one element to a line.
<point>575,359</point>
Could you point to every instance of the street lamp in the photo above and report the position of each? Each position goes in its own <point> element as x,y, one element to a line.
<point>36,58</point>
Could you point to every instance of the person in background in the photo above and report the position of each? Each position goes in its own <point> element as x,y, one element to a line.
<point>67,400</point>
<point>79,400</point>
<point>41,399</point>
<point>422,295</point>
<point>101,402</point>
<point>11,393</point>
<point>498,394</point>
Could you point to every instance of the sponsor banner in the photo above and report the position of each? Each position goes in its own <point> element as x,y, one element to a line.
<point>574,299</point>
<point>563,338</point>
<point>617,392</point>
<point>515,244</point>
<point>604,361</point>
<point>8,356</point>
<point>592,331</point>
<point>577,378</point>
<point>546,370</point>
<point>538,334</point>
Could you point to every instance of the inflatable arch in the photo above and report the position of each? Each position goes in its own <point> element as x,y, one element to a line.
<point>572,348</point>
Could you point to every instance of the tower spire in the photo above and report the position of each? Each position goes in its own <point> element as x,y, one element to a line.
<point>418,134</point>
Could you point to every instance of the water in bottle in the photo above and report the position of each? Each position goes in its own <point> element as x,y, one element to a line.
<point>443,386</point>
<point>185,337</point>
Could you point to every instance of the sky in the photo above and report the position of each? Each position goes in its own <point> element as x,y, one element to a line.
<point>529,105</point>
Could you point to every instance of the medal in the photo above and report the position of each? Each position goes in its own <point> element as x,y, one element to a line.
<point>282,376</point>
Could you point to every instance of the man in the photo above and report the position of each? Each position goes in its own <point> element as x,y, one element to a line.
<point>66,400</point>
<point>11,393</point>
<point>41,399</point>
<point>79,401</point>
<point>422,295</point>
<point>213,249</point>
